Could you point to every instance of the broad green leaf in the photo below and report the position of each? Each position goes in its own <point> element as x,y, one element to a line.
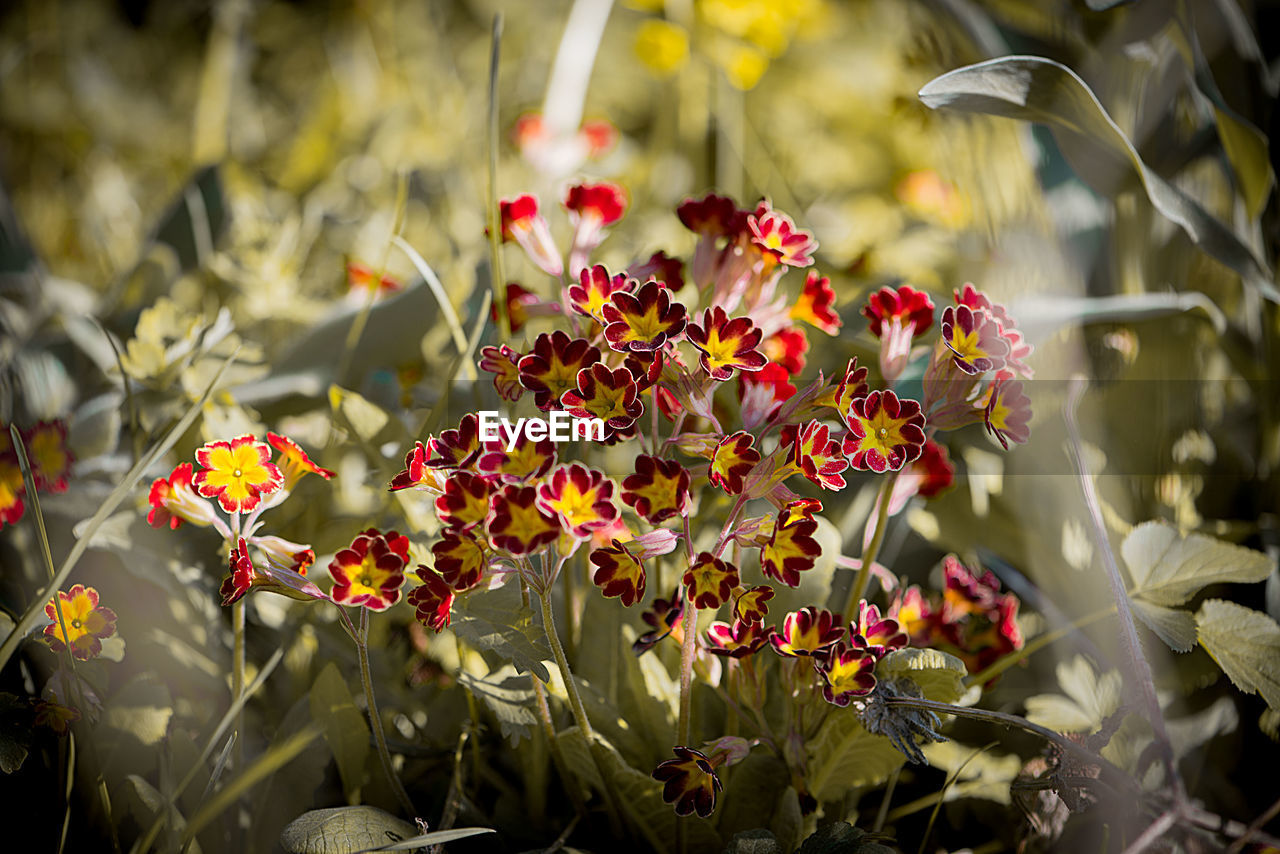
<point>1089,699</point>
<point>1168,569</point>
<point>753,792</point>
<point>1177,628</point>
<point>344,727</point>
<point>343,830</point>
<point>940,675</point>
<point>499,623</point>
<point>1036,89</point>
<point>1246,645</point>
<point>788,820</point>
<point>439,837</point>
<point>843,838</point>
<point>508,695</point>
<point>145,803</point>
<point>142,708</point>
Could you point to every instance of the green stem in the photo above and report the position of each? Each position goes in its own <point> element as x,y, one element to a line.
<point>880,515</point>
<point>687,651</point>
<point>984,676</point>
<point>375,719</point>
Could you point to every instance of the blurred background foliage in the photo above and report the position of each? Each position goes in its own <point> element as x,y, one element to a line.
<point>192,178</point>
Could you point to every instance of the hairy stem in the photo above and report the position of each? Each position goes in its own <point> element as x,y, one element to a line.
<point>375,719</point>
<point>687,651</point>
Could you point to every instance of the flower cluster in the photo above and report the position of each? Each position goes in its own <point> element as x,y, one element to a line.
<point>50,459</point>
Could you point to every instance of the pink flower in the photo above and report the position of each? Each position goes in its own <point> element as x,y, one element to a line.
<point>522,223</point>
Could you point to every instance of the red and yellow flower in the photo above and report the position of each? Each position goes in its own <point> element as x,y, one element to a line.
<point>551,367</point>
<point>12,486</point>
<point>55,716</point>
<point>846,673</point>
<point>776,235</point>
<point>432,600</point>
<point>643,321</point>
<point>522,223</point>
<point>595,288</point>
<point>1006,410</point>
<point>465,502</point>
<point>237,473</point>
<point>50,458</point>
<point>974,338</point>
<point>751,605</point>
<point>503,363</point>
<point>885,433</point>
<point>591,207</point>
<point>363,278</point>
<point>812,451</point>
<point>240,580</point>
<point>370,572</point>
<point>737,640</point>
<point>526,460</point>
<point>897,317</point>
<point>660,267</point>
<point>417,474</point>
<point>726,344</point>
<point>807,632</point>
<point>610,395</point>
<point>173,501</point>
<point>731,461</point>
<point>791,548</point>
<point>689,782</point>
<point>875,634</point>
<point>658,490</point>
<point>87,622</point>
<point>787,347</point>
<point>581,497</point>
<point>517,525</point>
<point>460,559</point>
<point>293,461</point>
<point>618,572</point>
<point>710,580</point>
<point>816,304</point>
<point>458,447</point>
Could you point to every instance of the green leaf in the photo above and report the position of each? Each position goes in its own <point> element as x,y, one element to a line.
<point>983,774</point>
<point>499,623</point>
<point>439,837</point>
<point>940,675</point>
<point>1036,89</point>
<point>1177,628</point>
<point>142,708</point>
<point>1246,645</point>
<point>788,821</point>
<point>365,421</point>
<point>344,727</point>
<point>843,838</point>
<point>1089,698</point>
<point>343,830</point>
<point>1168,569</point>
<point>509,696</point>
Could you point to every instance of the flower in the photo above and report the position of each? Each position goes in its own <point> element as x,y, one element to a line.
<point>664,620</point>
<point>974,339</point>
<point>55,716</point>
<point>595,287</point>
<point>787,347</point>
<point>846,673</point>
<point>1006,410</point>
<point>46,445</point>
<point>361,277</point>
<point>731,461</point>
<point>735,641</point>
<point>551,367</point>
<point>815,454</point>
<point>885,433</point>
<point>294,462</point>
<point>12,486</point>
<point>1019,349</point>
<point>517,525</point>
<point>237,584</point>
<point>610,395</point>
<point>711,218</point>
<point>914,614</point>
<point>581,497</point>
<point>931,474</point>
<point>897,317</point>
<point>456,448</point>
<point>618,572</point>
<point>285,572</point>
<point>658,490</point>
<point>643,321</point>
<point>527,460</point>
<point>465,502</point>
<point>809,631</point>
<point>816,304</point>
<point>591,208</point>
<point>761,394</point>
<point>417,473</point>
<point>776,234</point>
<point>522,223</point>
<point>791,548</point>
<point>710,580</point>
<point>503,363</point>
<point>874,634</point>
<point>432,600</point>
<point>173,501</point>
<point>750,606</point>
<point>726,344</point>
<point>371,571</point>
<point>690,782</point>
<point>459,558</point>
<point>237,473</point>
<point>660,267</point>
<point>86,621</point>
<point>520,302</point>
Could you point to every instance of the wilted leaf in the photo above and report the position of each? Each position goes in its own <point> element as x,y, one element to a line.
<point>1036,89</point>
<point>343,830</point>
<point>1175,627</point>
<point>499,623</point>
<point>843,838</point>
<point>1246,645</point>
<point>439,837</point>
<point>1168,569</point>
<point>344,727</point>
<point>508,695</point>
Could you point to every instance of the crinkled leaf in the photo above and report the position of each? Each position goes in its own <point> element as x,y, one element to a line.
<point>843,838</point>
<point>1168,569</point>
<point>508,695</point>
<point>1036,89</point>
<point>1246,645</point>
<point>940,675</point>
<point>344,728</point>
<point>1177,628</point>
<point>499,623</point>
<point>438,837</point>
<point>343,830</point>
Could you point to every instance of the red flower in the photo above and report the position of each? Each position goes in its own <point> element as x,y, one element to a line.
<point>552,366</point>
<point>465,502</point>
<point>87,622</point>
<point>791,548</point>
<point>12,486</point>
<point>750,606</point>
<point>237,584</point>
<point>610,395</point>
<point>816,305</point>
<point>432,601</point>
<point>519,301</point>
<point>658,490</point>
<point>1019,349</point>
<point>173,501</point>
<point>595,287</point>
<point>930,475</point>
<point>661,267</point>
<point>777,236</point>
<point>50,458</point>
<point>517,525</point>
<point>522,223</point>
<point>815,453</point>
<point>664,621</point>
<point>897,318</point>
<point>459,558</point>
<point>731,461</point>
<point>846,673</point>
<point>809,631</point>
<point>591,208</point>
<point>285,573</point>
<point>581,497</point>
<point>690,782</point>
<point>712,215</point>
<point>761,394</point>
<point>735,641</point>
<point>974,339</point>
<point>643,321</point>
<point>914,614</point>
<point>1006,410</point>
<point>417,473</point>
<point>787,347</point>
<point>294,462</point>
<point>875,634</point>
<point>370,571</point>
<point>360,277</point>
<point>885,433</point>
<point>619,572</point>
<point>710,581</point>
<point>237,473</point>
<point>726,344</point>
<point>456,448</point>
<point>503,363</point>
<point>527,460</point>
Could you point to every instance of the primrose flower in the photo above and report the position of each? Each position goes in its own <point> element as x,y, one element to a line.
<point>285,573</point>
<point>618,572</point>
<point>643,321</point>
<point>931,474</point>
<point>370,571</point>
<point>551,367</point>
<point>517,525</point>
<point>456,448</point>
<point>710,580</point>
<point>12,486</point>
<point>777,236</point>
<point>690,782</point>
<point>591,207</point>
<point>791,548</point>
<point>173,501</point>
<point>897,316</point>
<point>87,622</point>
<point>503,363</point>
<point>610,395</point>
<point>581,497</point>
<point>658,490</point>
<point>751,605</point>
<point>846,673</point>
<point>237,473</point>
<point>731,461</point>
<point>974,339</point>
<point>815,454</point>
<point>460,558</point>
<point>885,433</point>
<point>735,641</point>
<point>711,218</point>
<point>522,223</point>
<point>807,632</point>
<point>816,305</point>
<point>55,716</point>
<point>663,619</point>
<point>417,473</point>
<point>432,600</point>
<point>526,461</point>
<point>293,461</point>
<point>465,502</point>
<point>873,634</point>
<point>595,287</point>
<point>363,278</point>
<point>974,619</point>
<point>726,344</point>
<point>787,347</point>
<point>50,458</point>
<point>1006,410</point>
<point>761,394</point>
<point>661,267</point>
<point>238,583</point>
<point>1019,348</point>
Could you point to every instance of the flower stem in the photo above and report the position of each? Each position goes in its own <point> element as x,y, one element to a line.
<point>880,518</point>
<point>375,720</point>
<point>687,651</point>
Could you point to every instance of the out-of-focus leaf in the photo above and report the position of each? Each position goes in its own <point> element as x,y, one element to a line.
<point>365,421</point>
<point>752,793</point>
<point>788,820</point>
<point>15,732</point>
<point>843,838</point>
<point>499,623</point>
<point>1188,733</point>
<point>196,219</point>
<point>145,802</point>
<point>343,830</point>
<point>344,726</point>
<point>1246,645</point>
<point>758,841</point>
<point>509,696</point>
<point>1042,315</point>
<point>439,837</point>
<point>1168,569</point>
<point>1177,628</point>
<point>986,774</point>
<point>142,708</point>
<point>1036,89</point>
<point>1089,699</point>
